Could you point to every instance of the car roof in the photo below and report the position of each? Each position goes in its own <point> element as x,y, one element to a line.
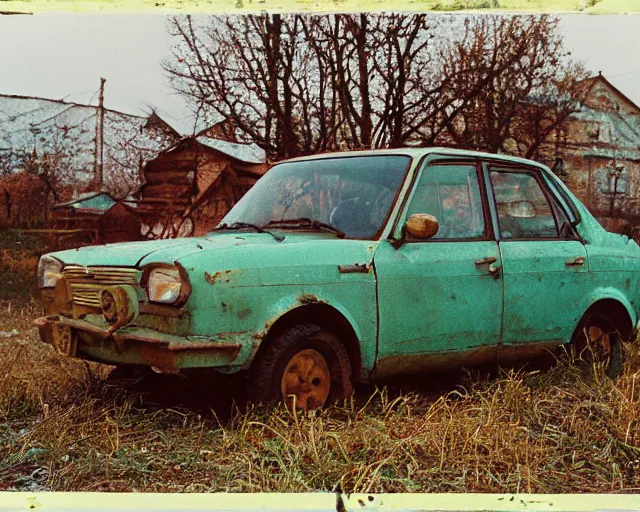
<point>419,152</point>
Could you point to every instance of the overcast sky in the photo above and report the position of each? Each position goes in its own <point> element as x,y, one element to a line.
<point>57,55</point>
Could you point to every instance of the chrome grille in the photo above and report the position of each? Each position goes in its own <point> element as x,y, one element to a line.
<point>86,283</point>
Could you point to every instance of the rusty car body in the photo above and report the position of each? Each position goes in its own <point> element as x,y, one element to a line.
<point>358,266</point>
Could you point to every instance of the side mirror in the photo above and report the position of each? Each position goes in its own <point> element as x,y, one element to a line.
<point>422,225</point>
<point>522,209</point>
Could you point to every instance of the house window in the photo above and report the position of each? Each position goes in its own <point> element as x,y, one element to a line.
<point>593,130</point>
<point>613,180</point>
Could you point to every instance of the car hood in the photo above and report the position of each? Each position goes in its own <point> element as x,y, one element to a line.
<point>132,254</point>
<point>238,249</point>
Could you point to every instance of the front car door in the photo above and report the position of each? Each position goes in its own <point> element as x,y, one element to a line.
<point>440,299</point>
<point>544,261</point>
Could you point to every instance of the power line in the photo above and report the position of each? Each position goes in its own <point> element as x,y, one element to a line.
<point>627,73</point>
<point>75,94</point>
<point>94,95</point>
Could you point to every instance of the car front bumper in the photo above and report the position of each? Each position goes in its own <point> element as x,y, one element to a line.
<point>138,345</point>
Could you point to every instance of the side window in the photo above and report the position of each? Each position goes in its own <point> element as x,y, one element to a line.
<point>450,192</point>
<point>523,209</point>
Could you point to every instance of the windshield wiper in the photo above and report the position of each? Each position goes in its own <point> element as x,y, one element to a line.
<point>306,222</point>
<point>240,225</point>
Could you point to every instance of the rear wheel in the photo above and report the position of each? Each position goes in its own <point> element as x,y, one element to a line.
<point>306,365</point>
<point>598,341</point>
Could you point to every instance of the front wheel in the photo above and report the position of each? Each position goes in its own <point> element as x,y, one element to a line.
<point>305,365</point>
<point>598,341</point>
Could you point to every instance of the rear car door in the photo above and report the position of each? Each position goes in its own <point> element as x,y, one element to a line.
<point>544,261</point>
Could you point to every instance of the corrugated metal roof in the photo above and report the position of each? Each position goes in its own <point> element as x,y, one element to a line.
<point>248,153</point>
<point>102,201</point>
<point>186,125</point>
<point>69,130</point>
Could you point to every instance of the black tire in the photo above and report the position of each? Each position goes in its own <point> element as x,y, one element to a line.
<point>584,349</point>
<point>267,370</point>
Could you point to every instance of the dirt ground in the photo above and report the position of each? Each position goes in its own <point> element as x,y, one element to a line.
<point>66,425</point>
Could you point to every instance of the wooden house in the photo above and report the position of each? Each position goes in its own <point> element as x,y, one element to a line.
<point>191,185</point>
<point>597,153</point>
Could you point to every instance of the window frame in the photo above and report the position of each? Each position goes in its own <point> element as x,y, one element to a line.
<point>488,233</point>
<point>554,204</point>
<point>568,205</point>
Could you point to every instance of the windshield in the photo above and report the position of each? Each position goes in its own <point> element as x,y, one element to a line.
<point>351,194</point>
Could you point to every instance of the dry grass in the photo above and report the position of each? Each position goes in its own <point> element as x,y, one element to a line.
<point>63,426</point>
<point>19,255</point>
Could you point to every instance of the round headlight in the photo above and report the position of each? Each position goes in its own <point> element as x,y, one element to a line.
<point>49,270</point>
<point>165,285</point>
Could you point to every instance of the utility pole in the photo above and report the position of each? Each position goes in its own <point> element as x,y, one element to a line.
<point>98,167</point>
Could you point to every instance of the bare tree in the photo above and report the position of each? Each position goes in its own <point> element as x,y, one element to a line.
<point>405,86</point>
<point>515,80</point>
<point>547,111</point>
<point>236,66</point>
<point>300,84</point>
<point>347,44</point>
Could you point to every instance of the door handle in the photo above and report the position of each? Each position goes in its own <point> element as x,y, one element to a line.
<point>575,262</point>
<point>487,260</point>
<point>354,269</point>
<point>494,270</point>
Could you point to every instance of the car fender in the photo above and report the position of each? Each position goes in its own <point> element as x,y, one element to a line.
<point>610,292</point>
<point>365,330</point>
<point>291,301</point>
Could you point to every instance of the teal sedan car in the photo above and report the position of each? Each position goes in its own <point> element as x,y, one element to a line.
<point>357,266</point>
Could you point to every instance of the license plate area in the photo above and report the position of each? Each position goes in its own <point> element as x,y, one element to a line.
<point>64,339</point>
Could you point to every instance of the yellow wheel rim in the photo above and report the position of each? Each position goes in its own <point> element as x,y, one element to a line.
<point>599,343</point>
<point>306,379</point>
